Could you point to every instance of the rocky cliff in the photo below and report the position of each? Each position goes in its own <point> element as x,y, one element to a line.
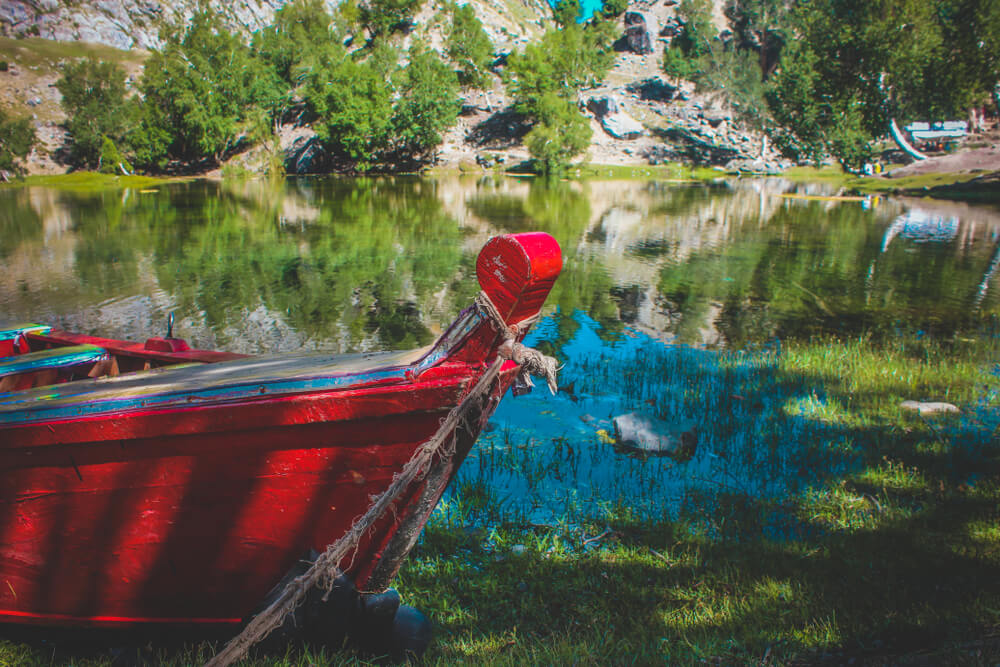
<point>637,116</point>
<point>131,24</point>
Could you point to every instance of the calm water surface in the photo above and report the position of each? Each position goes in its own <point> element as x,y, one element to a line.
<point>673,297</point>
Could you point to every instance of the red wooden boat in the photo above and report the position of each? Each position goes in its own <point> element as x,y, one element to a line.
<point>155,484</point>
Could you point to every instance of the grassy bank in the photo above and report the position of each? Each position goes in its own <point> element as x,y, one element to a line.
<point>895,562</point>
<point>937,185</point>
<point>89,181</point>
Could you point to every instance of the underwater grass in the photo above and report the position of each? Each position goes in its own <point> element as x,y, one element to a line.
<point>892,560</point>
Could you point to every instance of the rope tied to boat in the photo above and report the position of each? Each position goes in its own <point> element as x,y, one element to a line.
<point>325,570</point>
<point>529,360</point>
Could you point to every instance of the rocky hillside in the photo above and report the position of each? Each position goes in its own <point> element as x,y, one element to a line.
<point>130,24</point>
<point>638,117</point>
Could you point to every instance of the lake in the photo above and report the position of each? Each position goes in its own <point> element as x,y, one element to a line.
<point>676,302</point>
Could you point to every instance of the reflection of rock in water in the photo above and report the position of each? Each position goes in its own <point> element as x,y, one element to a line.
<point>921,226</point>
<point>642,434</point>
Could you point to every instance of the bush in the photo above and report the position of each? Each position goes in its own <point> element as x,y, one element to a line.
<point>93,96</point>
<point>469,47</point>
<point>17,137</point>
<point>4,66</point>
<point>561,133</point>
<point>112,161</point>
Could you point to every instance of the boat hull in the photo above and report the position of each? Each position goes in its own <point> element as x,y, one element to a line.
<point>175,511</point>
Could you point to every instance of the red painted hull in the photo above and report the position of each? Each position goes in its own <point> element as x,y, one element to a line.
<point>188,507</point>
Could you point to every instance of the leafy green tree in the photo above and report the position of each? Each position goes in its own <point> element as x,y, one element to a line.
<point>562,62</point>
<point>545,82</point>
<point>567,12</point>
<point>202,88</point>
<point>301,30</point>
<point>857,64</point>
<point>93,96</point>
<point>353,105</point>
<point>561,133</point>
<point>17,137</point>
<point>384,16</point>
<point>469,47</point>
<point>428,102</point>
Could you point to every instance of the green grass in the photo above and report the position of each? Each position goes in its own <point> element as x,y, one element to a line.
<point>895,562</point>
<point>35,52</point>
<point>89,181</point>
<point>911,185</point>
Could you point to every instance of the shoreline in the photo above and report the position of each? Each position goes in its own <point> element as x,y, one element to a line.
<point>956,186</point>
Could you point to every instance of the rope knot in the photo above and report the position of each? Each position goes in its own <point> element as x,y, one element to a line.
<point>529,360</point>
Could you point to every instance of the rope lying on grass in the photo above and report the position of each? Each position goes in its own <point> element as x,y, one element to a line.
<point>325,570</point>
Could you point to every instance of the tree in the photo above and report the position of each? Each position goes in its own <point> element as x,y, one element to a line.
<point>384,16</point>
<point>353,106</point>
<point>203,87</point>
<point>17,137</point>
<point>561,133</point>
<point>469,47</point>
<point>428,100</point>
<point>856,64</point>
<point>93,96</point>
<point>562,62</point>
<point>545,82</point>
<point>301,30</point>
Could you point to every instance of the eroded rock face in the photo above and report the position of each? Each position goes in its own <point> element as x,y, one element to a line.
<point>124,24</point>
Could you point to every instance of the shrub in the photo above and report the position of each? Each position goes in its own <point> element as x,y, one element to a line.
<point>17,137</point>
<point>469,47</point>
<point>111,160</point>
<point>93,96</point>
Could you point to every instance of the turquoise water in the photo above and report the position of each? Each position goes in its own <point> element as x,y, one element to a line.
<point>587,8</point>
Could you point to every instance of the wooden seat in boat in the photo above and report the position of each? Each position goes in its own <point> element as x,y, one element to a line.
<point>45,367</point>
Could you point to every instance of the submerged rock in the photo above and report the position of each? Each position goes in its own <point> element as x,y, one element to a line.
<point>643,434</point>
<point>930,407</point>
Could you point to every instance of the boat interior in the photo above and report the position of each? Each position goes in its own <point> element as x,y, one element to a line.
<point>35,355</point>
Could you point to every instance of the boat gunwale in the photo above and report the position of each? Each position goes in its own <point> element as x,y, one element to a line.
<point>76,400</point>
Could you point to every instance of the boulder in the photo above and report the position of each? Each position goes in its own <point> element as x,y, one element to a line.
<point>930,407</point>
<point>636,38</point>
<point>613,118</point>
<point>641,433</point>
<point>305,155</point>
<point>653,89</point>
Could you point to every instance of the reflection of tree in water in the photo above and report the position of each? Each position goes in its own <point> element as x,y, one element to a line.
<point>19,222</point>
<point>813,270</point>
<point>362,257</point>
<point>562,209</point>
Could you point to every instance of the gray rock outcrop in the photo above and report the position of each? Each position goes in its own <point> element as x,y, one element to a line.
<point>614,119</point>
<point>636,38</point>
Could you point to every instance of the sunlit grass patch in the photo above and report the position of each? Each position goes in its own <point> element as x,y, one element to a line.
<point>89,181</point>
